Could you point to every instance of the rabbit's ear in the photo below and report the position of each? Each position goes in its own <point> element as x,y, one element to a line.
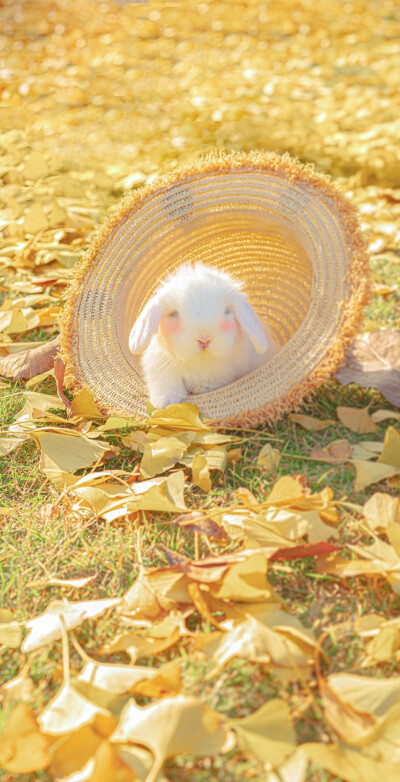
<point>145,326</point>
<point>251,324</point>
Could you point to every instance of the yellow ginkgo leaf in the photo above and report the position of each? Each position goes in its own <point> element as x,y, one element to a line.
<point>70,710</point>
<point>84,405</point>
<point>201,472</point>
<point>22,747</point>
<point>268,733</point>
<point>357,419</point>
<point>268,459</point>
<point>35,219</point>
<point>368,473</point>
<point>173,726</point>
<point>310,423</point>
<point>391,448</point>
<point>35,166</point>
<point>46,628</point>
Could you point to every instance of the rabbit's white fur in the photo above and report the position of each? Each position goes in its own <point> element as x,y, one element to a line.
<point>198,332</point>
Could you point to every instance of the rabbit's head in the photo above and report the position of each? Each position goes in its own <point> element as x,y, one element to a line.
<point>198,314</point>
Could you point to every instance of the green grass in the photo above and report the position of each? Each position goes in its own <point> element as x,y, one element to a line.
<point>43,537</point>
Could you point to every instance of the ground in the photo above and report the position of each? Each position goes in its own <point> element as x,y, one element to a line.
<point>99,98</point>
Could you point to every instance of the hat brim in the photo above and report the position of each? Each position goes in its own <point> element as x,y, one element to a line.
<point>280,228</point>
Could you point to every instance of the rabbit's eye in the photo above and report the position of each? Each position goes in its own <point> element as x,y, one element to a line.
<point>229,311</point>
<point>173,314</point>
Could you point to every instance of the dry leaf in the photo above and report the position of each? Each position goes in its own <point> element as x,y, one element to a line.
<point>385,645</point>
<point>368,473</point>
<point>252,639</point>
<point>391,448</point>
<point>164,454</point>
<point>35,219</point>
<point>196,521</point>
<point>35,166</point>
<point>173,726</point>
<point>22,747</point>
<point>155,593</point>
<point>84,405</point>
<point>116,678</point>
<point>336,452</point>
<point>74,751</point>
<point>10,630</point>
<point>178,416</point>
<point>356,419</point>
<point>381,510</point>
<point>69,711</point>
<point>201,472</point>
<point>287,490</point>
<point>268,733</point>
<point>30,363</point>
<point>349,764</point>
<point>76,583</point>
<point>310,423</point>
<point>151,641</point>
<point>68,451</point>
<point>384,415</point>
<point>46,628</point>
<point>18,689</point>
<point>268,458</point>
<point>374,362</point>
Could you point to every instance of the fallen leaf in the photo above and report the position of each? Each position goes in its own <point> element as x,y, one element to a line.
<point>35,166</point>
<point>74,751</point>
<point>374,362</point>
<point>76,583</point>
<point>201,472</point>
<point>310,423</point>
<point>10,630</point>
<point>336,452</point>
<point>114,677</point>
<point>178,416</point>
<point>268,459</point>
<point>356,419</point>
<point>84,405</point>
<point>380,510</point>
<point>46,628</point>
<point>173,726</point>
<point>368,473</point>
<point>30,363</point>
<point>22,747</point>
<point>18,689</point>
<point>113,500</point>
<point>196,521</point>
<point>384,415</point>
<point>35,219</point>
<point>385,645</point>
<point>349,764</point>
<point>391,448</point>
<point>164,454</point>
<point>291,657</point>
<point>268,732</point>
<point>155,593</point>
<point>287,490</point>
<point>70,710</point>
<point>68,451</point>
<point>151,642</point>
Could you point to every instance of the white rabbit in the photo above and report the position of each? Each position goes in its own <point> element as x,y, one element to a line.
<point>198,332</point>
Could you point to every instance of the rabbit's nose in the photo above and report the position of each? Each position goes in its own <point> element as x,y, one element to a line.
<point>204,342</point>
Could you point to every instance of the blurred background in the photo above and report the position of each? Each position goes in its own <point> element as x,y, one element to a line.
<point>98,97</point>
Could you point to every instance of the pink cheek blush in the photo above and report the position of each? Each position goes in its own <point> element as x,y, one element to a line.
<point>170,326</point>
<point>227,325</point>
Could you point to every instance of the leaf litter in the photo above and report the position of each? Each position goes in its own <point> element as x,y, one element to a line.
<point>224,606</point>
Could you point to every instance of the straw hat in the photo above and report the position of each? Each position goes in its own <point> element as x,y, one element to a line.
<point>281,228</point>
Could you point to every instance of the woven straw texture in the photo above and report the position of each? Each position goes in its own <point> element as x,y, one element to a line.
<point>282,229</point>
